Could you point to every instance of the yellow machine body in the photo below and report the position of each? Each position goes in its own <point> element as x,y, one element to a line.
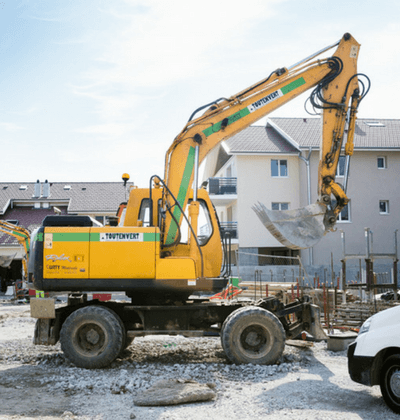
<point>129,256</point>
<point>168,236</point>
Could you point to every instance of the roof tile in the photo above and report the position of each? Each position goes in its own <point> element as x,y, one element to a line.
<point>82,197</point>
<point>307,133</point>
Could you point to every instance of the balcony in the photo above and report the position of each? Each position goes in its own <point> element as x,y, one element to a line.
<point>231,228</point>
<point>226,227</point>
<point>221,186</point>
<point>222,191</point>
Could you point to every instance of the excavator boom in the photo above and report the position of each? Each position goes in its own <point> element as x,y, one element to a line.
<point>336,93</point>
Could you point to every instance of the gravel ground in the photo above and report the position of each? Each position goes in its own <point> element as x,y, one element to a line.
<point>37,382</point>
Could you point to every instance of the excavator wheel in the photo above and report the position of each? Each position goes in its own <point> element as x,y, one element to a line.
<point>92,337</point>
<point>127,341</point>
<point>253,335</point>
<point>227,319</point>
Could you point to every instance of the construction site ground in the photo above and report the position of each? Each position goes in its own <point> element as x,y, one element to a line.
<point>37,382</point>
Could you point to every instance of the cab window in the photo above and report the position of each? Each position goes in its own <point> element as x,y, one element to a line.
<point>144,212</point>
<point>204,226</point>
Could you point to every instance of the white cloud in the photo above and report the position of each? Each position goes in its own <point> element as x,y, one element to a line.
<point>10,126</point>
<point>167,42</point>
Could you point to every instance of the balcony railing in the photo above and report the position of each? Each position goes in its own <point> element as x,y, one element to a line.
<point>231,228</point>
<point>220,186</point>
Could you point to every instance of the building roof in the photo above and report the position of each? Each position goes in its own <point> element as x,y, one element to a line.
<point>258,139</point>
<point>282,134</point>
<point>96,197</point>
<point>30,220</point>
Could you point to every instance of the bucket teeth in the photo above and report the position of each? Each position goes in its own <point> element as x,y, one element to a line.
<point>296,229</point>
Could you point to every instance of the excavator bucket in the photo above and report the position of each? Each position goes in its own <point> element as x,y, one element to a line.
<point>296,229</point>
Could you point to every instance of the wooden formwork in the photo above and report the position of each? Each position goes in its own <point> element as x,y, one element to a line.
<point>259,290</point>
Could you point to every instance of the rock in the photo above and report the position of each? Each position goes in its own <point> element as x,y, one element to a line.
<point>299,343</point>
<point>173,392</point>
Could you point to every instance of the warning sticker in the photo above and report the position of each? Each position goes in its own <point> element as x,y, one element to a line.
<point>121,237</point>
<point>48,240</point>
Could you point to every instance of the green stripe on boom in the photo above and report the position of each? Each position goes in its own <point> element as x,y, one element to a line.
<point>233,118</point>
<point>245,111</point>
<point>187,173</point>
<point>293,85</point>
<point>19,234</point>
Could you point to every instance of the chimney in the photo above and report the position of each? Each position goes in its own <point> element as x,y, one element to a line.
<point>46,189</point>
<point>37,188</point>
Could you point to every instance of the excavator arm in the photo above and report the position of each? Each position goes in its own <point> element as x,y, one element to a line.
<point>336,91</point>
<point>23,237</point>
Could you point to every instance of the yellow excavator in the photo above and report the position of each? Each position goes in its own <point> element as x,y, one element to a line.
<point>168,242</point>
<point>23,237</point>
<point>151,256</point>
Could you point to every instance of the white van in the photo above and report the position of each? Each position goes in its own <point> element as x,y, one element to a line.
<point>374,358</point>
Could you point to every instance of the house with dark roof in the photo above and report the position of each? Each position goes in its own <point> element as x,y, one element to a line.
<point>269,164</point>
<point>26,204</point>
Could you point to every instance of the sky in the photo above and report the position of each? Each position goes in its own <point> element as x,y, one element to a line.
<point>92,89</point>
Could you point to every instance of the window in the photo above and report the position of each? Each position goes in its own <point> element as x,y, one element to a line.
<point>144,212</point>
<point>341,166</point>
<point>344,215</point>
<point>279,168</point>
<point>374,124</point>
<point>280,206</point>
<point>384,206</point>
<point>204,228</point>
<point>381,161</point>
<point>100,219</point>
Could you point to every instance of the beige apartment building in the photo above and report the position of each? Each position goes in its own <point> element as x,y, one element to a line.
<point>268,164</point>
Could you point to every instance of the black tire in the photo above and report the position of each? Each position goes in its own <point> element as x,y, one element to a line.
<point>221,333</point>
<point>253,335</point>
<point>390,382</point>
<point>92,337</point>
<point>127,341</point>
<point>124,336</point>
